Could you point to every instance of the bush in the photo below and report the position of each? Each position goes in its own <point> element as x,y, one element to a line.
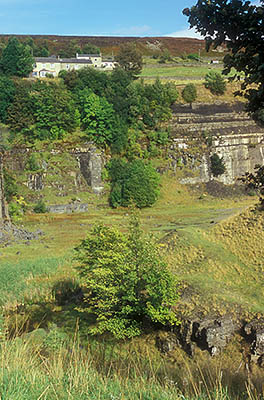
<point>10,186</point>
<point>217,165</point>
<point>126,280</point>
<point>215,82</point>
<point>16,208</point>
<point>40,207</point>
<point>193,56</point>
<point>189,93</point>
<point>133,182</point>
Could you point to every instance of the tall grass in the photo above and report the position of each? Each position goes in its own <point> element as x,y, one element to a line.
<point>32,371</point>
<point>18,279</point>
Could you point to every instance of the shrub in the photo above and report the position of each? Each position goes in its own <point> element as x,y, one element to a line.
<point>10,186</point>
<point>133,182</point>
<point>193,56</point>
<point>126,280</point>
<point>16,208</point>
<point>189,93</point>
<point>215,82</point>
<point>40,207</point>
<point>217,165</point>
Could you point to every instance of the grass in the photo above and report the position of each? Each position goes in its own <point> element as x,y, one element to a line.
<point>212,249</point>
<point>182,71</point>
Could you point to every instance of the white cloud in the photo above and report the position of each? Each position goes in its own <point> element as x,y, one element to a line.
<point>190,33</point>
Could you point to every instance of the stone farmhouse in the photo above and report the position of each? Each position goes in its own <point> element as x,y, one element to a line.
<point>52,65</point>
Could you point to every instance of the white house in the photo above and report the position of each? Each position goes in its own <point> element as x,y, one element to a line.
<point>52,66</point>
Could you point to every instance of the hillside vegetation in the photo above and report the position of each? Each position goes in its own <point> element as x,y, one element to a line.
<point>211,247</point>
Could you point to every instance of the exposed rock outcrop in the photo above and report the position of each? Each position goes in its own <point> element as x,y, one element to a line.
<point>255,333</point>
<point>222,129</point>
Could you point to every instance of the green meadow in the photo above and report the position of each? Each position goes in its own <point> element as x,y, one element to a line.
<point>215,248</point>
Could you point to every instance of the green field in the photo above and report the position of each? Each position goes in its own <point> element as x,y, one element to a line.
<point>179,71</point>
<point>210,244</point>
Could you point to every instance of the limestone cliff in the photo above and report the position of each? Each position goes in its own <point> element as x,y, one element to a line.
<point>224,129</point>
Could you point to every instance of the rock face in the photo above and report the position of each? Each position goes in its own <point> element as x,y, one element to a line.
<point>64,170</point>
<point>68,208</point>
<point>222,129</point>
<point>90,163</point>
<point>211,333</point>
<point>255,333</point>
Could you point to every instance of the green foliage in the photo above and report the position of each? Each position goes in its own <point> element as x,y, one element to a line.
<point>97,117</point>
<point>16,59</point>
<point>70,50</point>
<point>189,93</point>
<point>151,103</point>
<point>33,163</point>
<point>42,110</point>
<point>16,208</point>
<point>89,48</point>
<point>165,56</point>
<point>217,165</point>
<point>127,281</point>
<point>40,207</point>
<point>10,186</point>
<point>133,182</point>
<point>7,92</point>
<point>20,112</point>
<point>130,59</point>
<point>53,111</point>
<point>254,181</point>
<point>215,82</point>
<point>239,26</point>
<point>193,56</point>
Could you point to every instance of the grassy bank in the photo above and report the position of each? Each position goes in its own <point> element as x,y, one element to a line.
<point>215,251</point>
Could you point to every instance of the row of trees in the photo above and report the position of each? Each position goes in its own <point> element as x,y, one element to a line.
<point>104,106</point>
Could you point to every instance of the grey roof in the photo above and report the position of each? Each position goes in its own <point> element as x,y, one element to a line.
<point>88,55</point>
<point>62,60</point>
<point>74,60</point>
<point>46,59</point>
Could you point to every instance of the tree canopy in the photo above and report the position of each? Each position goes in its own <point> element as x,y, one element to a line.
<point>238,24</point>
<point>16,59</point>
<point>130,59</point>
<point>126,281</point>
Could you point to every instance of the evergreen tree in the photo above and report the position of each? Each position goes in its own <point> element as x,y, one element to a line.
<point>17,59</point>
<point>189,93</point>
<point>215,82</point>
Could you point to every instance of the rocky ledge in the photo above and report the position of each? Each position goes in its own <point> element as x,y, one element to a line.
<point>213,333</point>
<point>10,233</point>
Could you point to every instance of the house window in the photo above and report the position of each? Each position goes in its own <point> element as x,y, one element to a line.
<point>52,66</point>
<point>42,73</point>
<point>34,73</point>
<point>43,65</point>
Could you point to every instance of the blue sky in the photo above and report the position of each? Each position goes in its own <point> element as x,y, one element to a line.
<point>104,17</point>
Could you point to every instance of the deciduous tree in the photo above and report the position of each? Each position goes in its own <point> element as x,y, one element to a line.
<point>130,59</point>
<point>126,280</point>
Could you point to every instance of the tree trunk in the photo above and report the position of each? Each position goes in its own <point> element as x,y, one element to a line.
<point>4,217</point>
